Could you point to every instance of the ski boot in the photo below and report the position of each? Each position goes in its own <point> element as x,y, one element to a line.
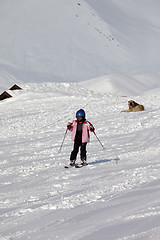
<point>83,162</point>
<point>72,162</point>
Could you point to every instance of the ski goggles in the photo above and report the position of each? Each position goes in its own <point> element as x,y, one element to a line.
<point>79,118</point>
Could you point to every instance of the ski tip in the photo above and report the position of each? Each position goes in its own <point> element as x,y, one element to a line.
<point>68,166</point>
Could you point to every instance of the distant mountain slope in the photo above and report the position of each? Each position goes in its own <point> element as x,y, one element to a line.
<point>136,25</point>
<point>70,41</point>
<point>56,41</point>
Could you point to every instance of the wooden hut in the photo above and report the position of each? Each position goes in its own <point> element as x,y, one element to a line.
<point>15,87</point>
<point>4,95</point>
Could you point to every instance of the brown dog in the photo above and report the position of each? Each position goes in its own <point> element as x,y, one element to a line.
<point>134,107</point>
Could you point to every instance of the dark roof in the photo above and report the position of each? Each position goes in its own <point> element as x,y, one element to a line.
<point>4,95</point>
<point>15,87</point>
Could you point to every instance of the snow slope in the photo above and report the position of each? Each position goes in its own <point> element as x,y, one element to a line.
<point>120,84</point>
<point>68,41</point>
<point>115,197</point>
<point>136,25</point>
<point>56,41</point>
<point>46,49</point>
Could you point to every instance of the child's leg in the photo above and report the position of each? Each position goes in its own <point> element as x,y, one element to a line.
<point>83,152</point>
<point>74,153</point>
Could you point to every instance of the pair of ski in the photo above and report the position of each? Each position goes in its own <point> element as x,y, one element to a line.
<point>76,165</point>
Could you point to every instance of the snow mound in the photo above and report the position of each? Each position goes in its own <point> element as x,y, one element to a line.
<point>130,85</point>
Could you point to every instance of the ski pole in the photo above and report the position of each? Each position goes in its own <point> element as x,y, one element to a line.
<point>63,140</point>
<point>99,141</point>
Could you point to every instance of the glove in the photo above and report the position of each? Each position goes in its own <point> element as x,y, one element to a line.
<point>69,126</point>
<point>92,129</point>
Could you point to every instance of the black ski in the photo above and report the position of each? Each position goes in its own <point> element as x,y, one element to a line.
<point>81,165</point>
<point>76,165</point>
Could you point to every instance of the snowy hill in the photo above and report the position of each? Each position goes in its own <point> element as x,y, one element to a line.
<point>68,55</point>
<point>72,41</point>
<point>115,197</point>
<point>135,24</point>
<point>128,85</point>
<point>56,41</point>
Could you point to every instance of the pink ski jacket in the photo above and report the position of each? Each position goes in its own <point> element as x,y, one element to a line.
<point>85,130</point>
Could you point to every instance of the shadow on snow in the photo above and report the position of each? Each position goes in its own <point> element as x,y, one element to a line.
<point>117,159</point>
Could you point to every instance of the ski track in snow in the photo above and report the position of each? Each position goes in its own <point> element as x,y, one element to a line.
<point>118,189</point>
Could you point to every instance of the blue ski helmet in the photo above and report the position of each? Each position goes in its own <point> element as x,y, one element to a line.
<point>80,113</point>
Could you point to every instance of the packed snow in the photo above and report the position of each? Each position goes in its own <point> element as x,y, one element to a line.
<point>115,197</point>
<point>67,56</point>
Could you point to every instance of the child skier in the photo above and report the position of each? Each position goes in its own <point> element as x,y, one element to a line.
<point>80,135</point>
